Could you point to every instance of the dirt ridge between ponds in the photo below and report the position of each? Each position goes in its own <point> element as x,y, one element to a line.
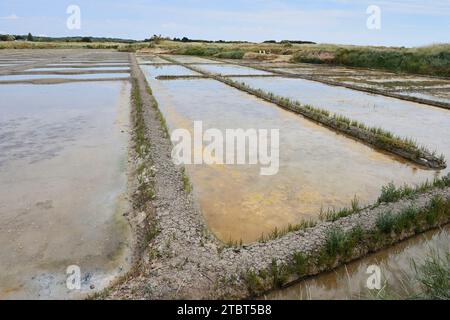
<point>393,145</point>
<point>184,260</point>
<point>433,103</point>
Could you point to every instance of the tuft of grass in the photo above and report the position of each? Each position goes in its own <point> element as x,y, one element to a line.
<point>142,144</point>
<point>152,232</point>
<point>300,263</point>
<point>278,233</point>
<point>335,242</point>
<point>234,243</point>
<point>391,193</point>
<point>385,222</point>
<point>434,276</point>
<point>279,274</point>
<point>187,186</point>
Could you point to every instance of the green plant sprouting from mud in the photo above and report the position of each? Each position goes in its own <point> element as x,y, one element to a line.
<point>278,233</point>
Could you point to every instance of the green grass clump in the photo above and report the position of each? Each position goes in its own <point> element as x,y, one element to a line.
<point>335,242</point>
<point>235,54</point>
<point>201,51</point>
<point>300,263</point>
<point>434,276</point>
<point>142,144</point>
<point>391,193</point>
<point>187,186</point>
<point>278,233</point>
<point>385,222</point>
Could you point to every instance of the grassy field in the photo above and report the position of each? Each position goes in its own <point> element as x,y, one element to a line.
<point>429,60</point>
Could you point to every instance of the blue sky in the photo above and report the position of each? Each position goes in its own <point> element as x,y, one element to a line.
<point>403,22</point>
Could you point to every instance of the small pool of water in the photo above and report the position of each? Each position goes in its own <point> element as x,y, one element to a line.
<point>63,181</point>
<point>62,76</point>
<point>174,70</point>
<point>398,274</point>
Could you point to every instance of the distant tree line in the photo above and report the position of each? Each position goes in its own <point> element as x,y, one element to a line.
<point>290,41</point>
<point>185,39</point>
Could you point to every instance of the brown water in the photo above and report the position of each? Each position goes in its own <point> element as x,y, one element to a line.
<point>318,168</point>
<point>398,276</point>
<point>63,181</point>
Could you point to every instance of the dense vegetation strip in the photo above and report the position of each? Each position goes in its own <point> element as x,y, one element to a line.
<point>432,60</point>
<point>375,136</point>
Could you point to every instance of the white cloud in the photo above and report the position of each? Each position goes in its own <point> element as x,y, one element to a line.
<point>10,17</point>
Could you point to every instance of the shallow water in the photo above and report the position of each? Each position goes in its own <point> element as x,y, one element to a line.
<point>81,69</point>
<point>428,125</point>
<point>442,95</point>
<point>150,59</point>
<point>350,281</point>
<point>318,168</point>
<point>63,180</point>
<point>155,71</point>
<point>62,76</point>
<point>93,64</point>
<point>231,70</point>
